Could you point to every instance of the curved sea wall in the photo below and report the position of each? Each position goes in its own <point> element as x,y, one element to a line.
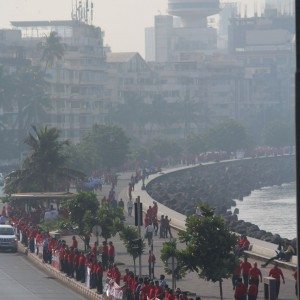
<point>219,183</point>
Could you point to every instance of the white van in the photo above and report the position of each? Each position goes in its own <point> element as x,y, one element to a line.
<point>8,239</point>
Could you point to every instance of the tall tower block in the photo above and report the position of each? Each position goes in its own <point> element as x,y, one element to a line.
<point>193,13</point>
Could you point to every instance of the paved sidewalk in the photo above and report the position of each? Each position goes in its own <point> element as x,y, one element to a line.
<point>191,282</point>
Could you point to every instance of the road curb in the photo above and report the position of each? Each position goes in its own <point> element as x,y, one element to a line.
<point>69,282</point>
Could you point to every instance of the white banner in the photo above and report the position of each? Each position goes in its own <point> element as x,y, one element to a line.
<point>113,291</point>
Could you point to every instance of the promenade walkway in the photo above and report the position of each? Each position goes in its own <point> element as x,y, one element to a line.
<point>191,282</point>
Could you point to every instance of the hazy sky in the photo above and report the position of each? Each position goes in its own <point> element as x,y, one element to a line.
<point>122,20</point>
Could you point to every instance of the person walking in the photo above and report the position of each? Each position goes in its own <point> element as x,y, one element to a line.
<point>276,273</point>
<point>240,292</point>
<point>252,290</point>
<point>245,268</point>
<point>99,277</point>
<point>130,207</point>
<point>111,253</point>
<point>255,274</point>
<point>151,263</point>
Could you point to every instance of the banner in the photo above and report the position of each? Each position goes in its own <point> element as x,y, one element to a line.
<point>55,260</point>
<point>113,291</point>
<point>88,277</point>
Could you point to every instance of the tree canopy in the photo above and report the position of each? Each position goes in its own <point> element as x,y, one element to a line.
<point>209,246</point>
<point>105,147</point>
<point>228,136</point>
<point>44,169</point>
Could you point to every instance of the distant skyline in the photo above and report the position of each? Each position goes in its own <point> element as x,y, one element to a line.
<point>123,21</point>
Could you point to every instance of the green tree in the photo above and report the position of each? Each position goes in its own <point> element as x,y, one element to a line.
<point>128,235</point>
<point>106,146</point>
<point>209,246</point>
<point>279,134</point>
<point>111,219</point>
<point>168,250</point>
<point>44,169</point>
<point>83,212</point>
<point>52,49</point>
<point>228,136</point>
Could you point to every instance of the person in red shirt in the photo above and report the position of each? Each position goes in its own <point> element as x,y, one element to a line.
<point>295,275</point>
<point>159,292</point>
<point>151,263</point>
<point>76,264</point>
<point>111,253</point>
<point>245,268</point>
<point>70,259</point>
<point>105,255</point>
<point>151,291</point>
<point>255,274</point>
<point>126,277</point>
<point>81,267</point>
<point>99,277</point>
<point>252,290</point>
<point>145,290</point>
<point>276,273</point>
<point>240,292</point>
<point>236,274</point>
<point>170,295</point>
<point>116,275</point>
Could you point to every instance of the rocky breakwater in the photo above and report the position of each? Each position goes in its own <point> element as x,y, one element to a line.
<point>219,184</point>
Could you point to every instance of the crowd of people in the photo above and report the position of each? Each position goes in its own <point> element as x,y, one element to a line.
<point>246,278</point>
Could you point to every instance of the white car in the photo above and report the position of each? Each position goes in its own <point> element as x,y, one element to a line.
<point>8,239</point>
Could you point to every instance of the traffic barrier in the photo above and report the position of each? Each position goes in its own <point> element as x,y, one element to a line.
<point>270,288</point>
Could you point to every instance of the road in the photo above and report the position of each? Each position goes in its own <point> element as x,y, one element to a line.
<point>20,280</point>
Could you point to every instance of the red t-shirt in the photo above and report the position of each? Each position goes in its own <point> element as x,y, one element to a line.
<point>240,290</point>
<point>145,291</point>
<point>255,273</point>
<point>158,291</point>
<point>252,291</point>
<point>276,273</point>
<point>111,250</point>
<point>245,266</point>
<point>152,292</point>
<point>82,260</point>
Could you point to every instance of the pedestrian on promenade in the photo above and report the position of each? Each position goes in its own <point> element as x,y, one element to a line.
<point>295,275</point>
<point>105,255</point>
<point>111,253</point>
<point>240,292</point>
<point>130,207</point>
<point>252,290</point>
<point>81,267</point>
<point>99,278</point>
<point>121,204</point>
<point>245,268</point>
<point>87,239</point>
<point>149,234</point>
<point>255,274</point>
<point>151,263</point>
<point>276,273</point>
<point>162,228</point>
<point>168,227</point>
<point>236,274</point>
<point>74,243</point>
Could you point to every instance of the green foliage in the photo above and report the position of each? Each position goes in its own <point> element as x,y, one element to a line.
<point>228,136</point>
<point>105,146</point>
<point>209,246</point>
<point>52,49</point>
<point>168,250</point>
<point>127,235</point>
<point>278,134</point>
<point>44,169</point>
<point>111,219</point>
<point>83,211</point>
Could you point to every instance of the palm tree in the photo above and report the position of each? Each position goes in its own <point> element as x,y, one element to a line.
<point>45,168</point>
<point>52,48</point>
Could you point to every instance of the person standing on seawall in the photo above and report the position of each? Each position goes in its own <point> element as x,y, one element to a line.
<point>276,273</point>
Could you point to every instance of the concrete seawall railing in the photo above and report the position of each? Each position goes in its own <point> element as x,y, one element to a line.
<point>258,249</point>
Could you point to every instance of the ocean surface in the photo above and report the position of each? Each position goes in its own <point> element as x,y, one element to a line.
<point>272,209</point>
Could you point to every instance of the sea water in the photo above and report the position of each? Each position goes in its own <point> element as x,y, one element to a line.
<point>272,209</point>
